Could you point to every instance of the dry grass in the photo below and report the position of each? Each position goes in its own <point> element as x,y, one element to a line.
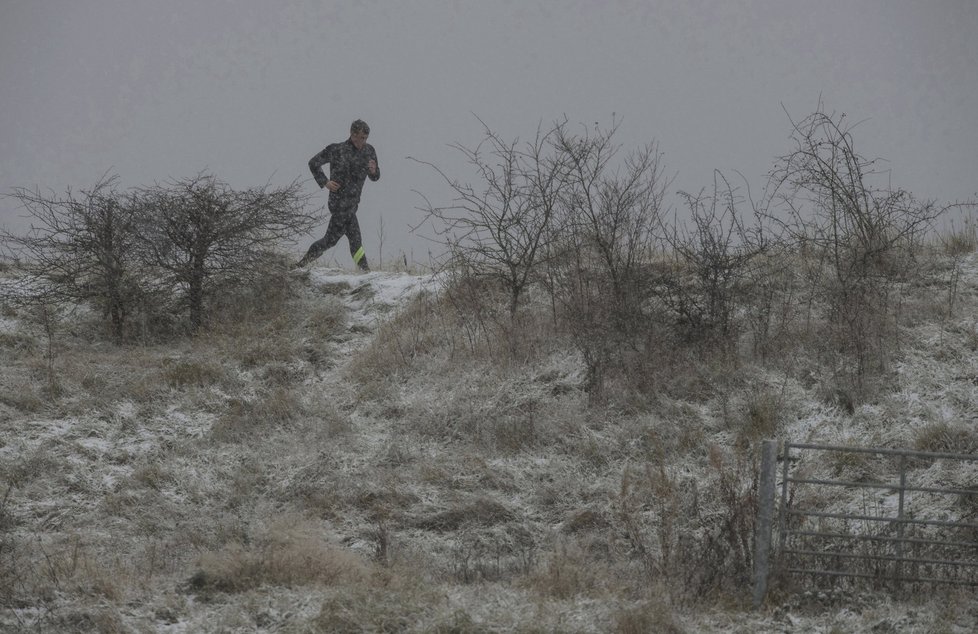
<point>183,373</point>
<point>763,415</point>
<point>961,239</point>
<point>944,437</point>
<point>649,616</point>
<point>572,570</point>
<point>433,475</point>
<point>274,408</point>
<point>291,553</point>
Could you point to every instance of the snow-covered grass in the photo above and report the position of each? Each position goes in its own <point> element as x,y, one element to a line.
<point>365,458</point>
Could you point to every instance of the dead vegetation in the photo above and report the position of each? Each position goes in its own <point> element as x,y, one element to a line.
<point>576,456</point>
<point>298,455</point>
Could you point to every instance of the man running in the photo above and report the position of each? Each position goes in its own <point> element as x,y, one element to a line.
<point>351,162</point>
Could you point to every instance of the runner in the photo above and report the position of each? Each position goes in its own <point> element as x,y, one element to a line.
<point>351,162</point>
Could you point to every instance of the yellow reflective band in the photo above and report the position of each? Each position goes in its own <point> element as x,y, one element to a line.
<point>358,255</point>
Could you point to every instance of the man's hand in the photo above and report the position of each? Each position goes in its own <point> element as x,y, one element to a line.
<point>333,186</point>
<point>372,167</point>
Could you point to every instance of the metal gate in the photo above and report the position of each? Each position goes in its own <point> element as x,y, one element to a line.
<point>886,517</point>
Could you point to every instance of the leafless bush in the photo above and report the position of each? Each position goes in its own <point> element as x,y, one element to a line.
<point>82,248</point>
<point>857,239</point>
<point>772,305</point>
<point>493,554</point>
<point>697,539</point>
<point>826,187</point>
<point>49,316</point>
<point>199,232</point>
<point>714,255</point>
<point>600,268</point>
<point>565,210</point>
<point>500,228</point>
<point>478,312</point>
<point>43,569</point>
<point>127,252</point>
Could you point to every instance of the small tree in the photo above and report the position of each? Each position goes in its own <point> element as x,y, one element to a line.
<point>81,247</point>
<point>600,278</point>
<point>827,188</point>
<point>500,227</point>
<point>199,232</point>
<point>713,254</point>
<point>613,209</point>
<point>859,237</point>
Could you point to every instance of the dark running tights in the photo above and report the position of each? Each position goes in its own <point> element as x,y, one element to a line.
<point>341,223</point>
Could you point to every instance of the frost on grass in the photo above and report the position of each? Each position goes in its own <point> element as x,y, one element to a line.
<point>364,461</point>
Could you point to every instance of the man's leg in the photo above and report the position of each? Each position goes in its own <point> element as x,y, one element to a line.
<point>334,231</point>
<point>356,243</point>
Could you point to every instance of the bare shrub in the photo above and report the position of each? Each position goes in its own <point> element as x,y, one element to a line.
<point>45,569</point>
<point>772,305</point>
<point>201,235</point>
<point>477,328</point>
<point>857,240</point>
<point>826,186</point>
<point>494,554</point>
<point>499,229</point>
<point>82,249</point>
<point>566,211</point>
<point>697,542</point>
<point>599,276</point>
<point>714,258</point>
<point>258,294</point>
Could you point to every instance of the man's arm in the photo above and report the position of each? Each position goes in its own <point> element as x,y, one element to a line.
<point>373,168</point>
<point>316,165</point>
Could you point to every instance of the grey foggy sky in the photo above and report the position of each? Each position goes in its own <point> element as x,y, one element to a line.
<point>250,89</point>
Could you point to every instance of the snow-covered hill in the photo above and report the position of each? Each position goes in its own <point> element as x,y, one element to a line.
<point>304,471</point>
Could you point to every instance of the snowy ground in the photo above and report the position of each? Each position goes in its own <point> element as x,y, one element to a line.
<point>142,496</point>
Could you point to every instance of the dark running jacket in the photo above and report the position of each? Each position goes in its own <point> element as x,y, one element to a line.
<point>348,167</point>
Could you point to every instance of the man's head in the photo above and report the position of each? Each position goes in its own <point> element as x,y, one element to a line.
<point>359,131</point>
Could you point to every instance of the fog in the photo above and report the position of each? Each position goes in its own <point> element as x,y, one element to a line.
<point>250,90</point>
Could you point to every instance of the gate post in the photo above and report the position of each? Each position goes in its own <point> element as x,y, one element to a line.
<point>765,514</point>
